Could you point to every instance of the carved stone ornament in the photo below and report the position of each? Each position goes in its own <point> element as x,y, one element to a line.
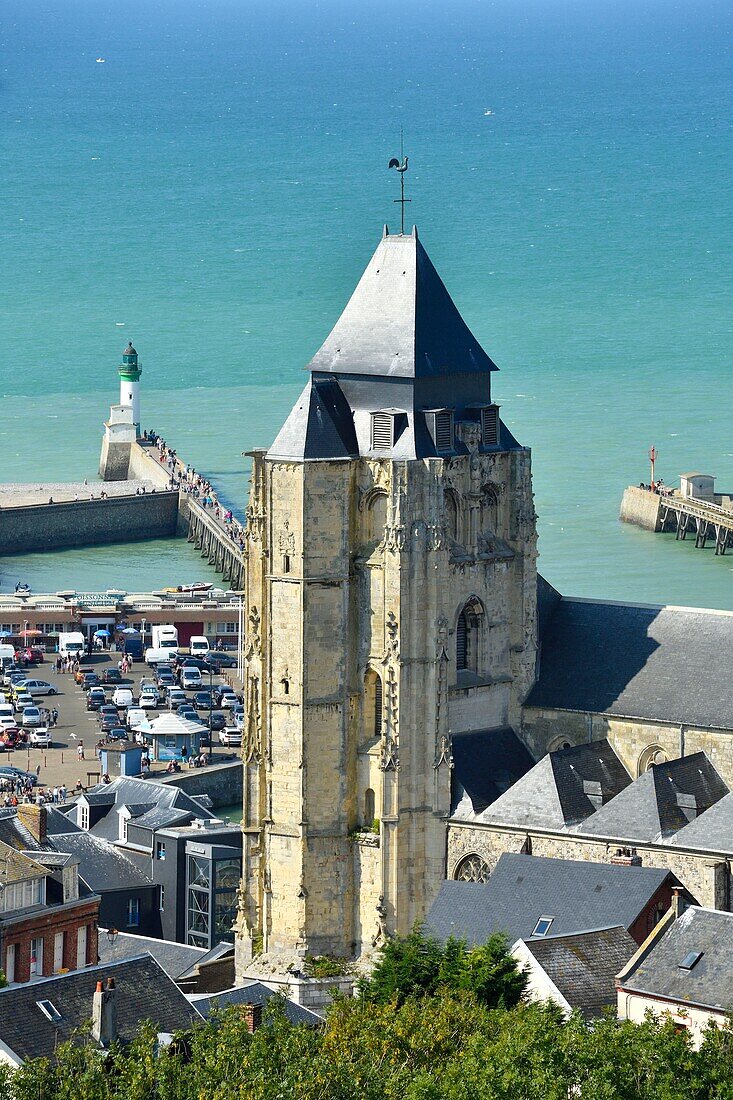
<point>287,539</point>
<point>381,911</point>
<point>253,642</point>
<point>444,753</point>
<point>393,639</point>
<point>252,747</point>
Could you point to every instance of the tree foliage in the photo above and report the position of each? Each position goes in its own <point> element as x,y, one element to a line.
<point>417,965</point>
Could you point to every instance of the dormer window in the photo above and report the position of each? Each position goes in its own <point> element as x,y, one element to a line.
<point>440,426</point>
<point>382,431</point>
<point>490,425</point>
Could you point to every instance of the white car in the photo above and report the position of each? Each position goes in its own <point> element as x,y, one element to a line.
<point>6,710</point>
<point>190,679</point>
<point>148,700</point>
<point>31,717</point>
<point>135,717</point>
<point>8,721</point>
<point>123,698</point>
<point>230,737</point>
<point>40,738</point>
<point>37,687</point>
<point>22,701</point>
<point>228,700</point>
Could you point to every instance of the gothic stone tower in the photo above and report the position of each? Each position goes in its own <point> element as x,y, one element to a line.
<point>390,603</point>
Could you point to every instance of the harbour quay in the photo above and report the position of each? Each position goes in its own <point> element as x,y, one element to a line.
<point>216,614</point>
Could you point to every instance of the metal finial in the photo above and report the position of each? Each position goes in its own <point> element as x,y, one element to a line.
<point>401,167</point>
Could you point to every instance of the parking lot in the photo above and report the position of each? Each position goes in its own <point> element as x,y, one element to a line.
<point>79,728</point>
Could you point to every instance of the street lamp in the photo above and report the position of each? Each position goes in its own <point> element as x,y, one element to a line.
<point>112,935</point>
<point>211,710</point>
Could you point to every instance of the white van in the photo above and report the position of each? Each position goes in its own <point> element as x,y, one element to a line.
<point>156,656</point>
<point>72,644</point>
<point>7,655</point>
<point>199,646</point>
<point>122,698</point>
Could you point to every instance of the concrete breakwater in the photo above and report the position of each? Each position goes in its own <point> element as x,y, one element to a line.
<point>28,528</point>
<point>642,508</point>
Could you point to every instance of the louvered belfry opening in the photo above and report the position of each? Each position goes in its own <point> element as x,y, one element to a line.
<point>378,707</point>
<point>382,431</point>
<point>444,431</point>
<point>462,643</point>
<point>490,425</point>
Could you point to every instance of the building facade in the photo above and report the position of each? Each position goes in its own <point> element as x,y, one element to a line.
<point>390,603</point>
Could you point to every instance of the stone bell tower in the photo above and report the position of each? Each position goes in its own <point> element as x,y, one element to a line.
<point>390,604</point>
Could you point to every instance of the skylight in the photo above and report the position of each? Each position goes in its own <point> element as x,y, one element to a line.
<point>691,959</point>
<point>49,1011</point>
<point>543,926</point>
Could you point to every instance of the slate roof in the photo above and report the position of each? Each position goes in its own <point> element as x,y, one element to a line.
<point>102,866</point>
<point>660,802</point>
<point>579,895</point>
<point>401,321</point>
<point>400,345</point>
<point>15,866</point>
<point>583,967</point>
<point>669,664</point>
<point>14,833</point>
<point>144,992</point>
<point>486,763</point>
<point>141,796</point>
<point>174,958</point>
<point>255,993</point>
<point>563,788</point>
<point>712,831</point>
<point>710,981</point>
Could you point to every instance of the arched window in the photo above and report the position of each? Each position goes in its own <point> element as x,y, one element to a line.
<point>369,813</point>
<point>472,869</point>
<point>651,755</point>
<point>373,704</point>
<point>489,508</point>
<point>468,636</point>
<point>376,517</point>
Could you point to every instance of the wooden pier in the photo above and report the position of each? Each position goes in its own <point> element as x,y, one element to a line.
<point>212,538</point>
<point>702,520</point>
<point>706,521</point>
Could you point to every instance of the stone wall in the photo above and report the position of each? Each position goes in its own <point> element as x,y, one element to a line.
<point>707,876</point>
<point>44,527</point>
<point>641,507</point>
<point>222,782</point>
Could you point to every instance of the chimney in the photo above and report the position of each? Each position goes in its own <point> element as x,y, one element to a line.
<point>34,819</point>
<point>104,1013</point>
<point>678,902</point>
<point>253,1017</point>
<point>626,857</point>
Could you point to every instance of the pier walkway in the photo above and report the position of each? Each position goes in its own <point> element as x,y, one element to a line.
<point>705,520</point>
<point>209,525</point>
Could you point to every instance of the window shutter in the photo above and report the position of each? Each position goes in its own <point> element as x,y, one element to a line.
<point>378,706</point>
<point>490,425</point>
<point>461,641</point>
<point>444,431</point>
<point>382,431</point>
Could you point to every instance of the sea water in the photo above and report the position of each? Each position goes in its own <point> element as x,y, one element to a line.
<point>209,179</point>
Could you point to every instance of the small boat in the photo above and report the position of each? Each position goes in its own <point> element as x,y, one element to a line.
<point>101,60</point>
<point>199,586</point>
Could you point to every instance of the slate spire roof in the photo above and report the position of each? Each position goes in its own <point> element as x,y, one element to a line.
<point>400,347</point>
<point>401,321</point>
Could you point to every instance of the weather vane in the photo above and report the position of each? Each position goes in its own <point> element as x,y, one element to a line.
<point>401,166</point>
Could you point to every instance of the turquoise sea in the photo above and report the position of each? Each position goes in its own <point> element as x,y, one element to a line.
<point>214,187</point>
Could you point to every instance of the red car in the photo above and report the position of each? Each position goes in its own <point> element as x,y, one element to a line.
<point>30,654</point>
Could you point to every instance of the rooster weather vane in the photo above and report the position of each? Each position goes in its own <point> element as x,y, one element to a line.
<point>401,168</point>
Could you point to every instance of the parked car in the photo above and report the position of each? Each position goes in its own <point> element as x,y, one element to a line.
<point>81,673</point>
<point>187,711</point>
<point>40,739</point>
<point>109,722</point>
<point>7,722</point>
<point>38,687</point>
<point>31,717</point>
<point>90,680</point>
<point>22,700</point>
<point>232,738</point>
<point>116,733</point>
<point>218,720</point>
<point>107,708</point>
<point>13,672</point>
<point>192,662</point>
<point>202,700</point>
<point>148,700</point>
<point>111,676</point>
<point>122,698</point>
<point>217,659</point>
<point>190,678</point>
<point>96,698</point>
<point>7,771</point>
<point>228,700</point>
<point>165,679</point>
<point>135,716</point>
<point>176,696</point>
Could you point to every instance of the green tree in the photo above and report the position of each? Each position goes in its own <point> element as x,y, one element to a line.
<point>418,965</point>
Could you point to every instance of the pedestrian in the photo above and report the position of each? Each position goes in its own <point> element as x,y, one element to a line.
<point>62,793</point>
<point>80,750</point>
<point>55,795</point>
<point>38,771</point>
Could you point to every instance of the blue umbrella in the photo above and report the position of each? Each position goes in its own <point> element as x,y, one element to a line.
<point>101,634</point>
<point>129,630</point>
<point>6,634</point>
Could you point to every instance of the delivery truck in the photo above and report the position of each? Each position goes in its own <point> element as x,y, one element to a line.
<point>72,644</point>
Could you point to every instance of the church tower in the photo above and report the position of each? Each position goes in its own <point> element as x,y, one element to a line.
<point>390,604</point>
